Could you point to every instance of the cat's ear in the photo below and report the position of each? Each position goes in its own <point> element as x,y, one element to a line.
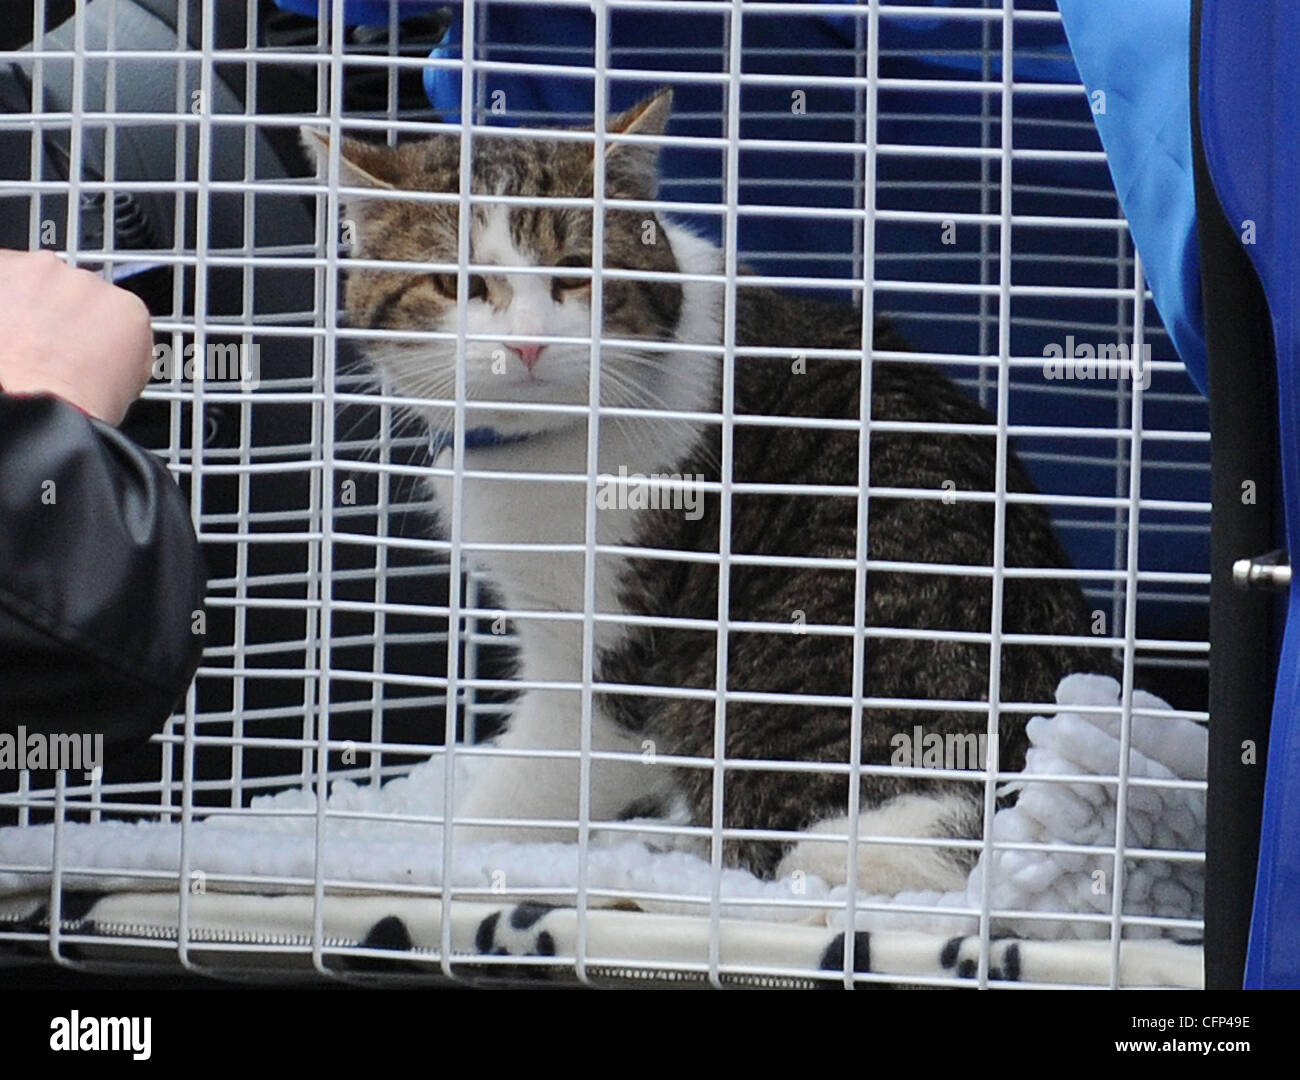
<point>361,164</point>
<point>631,170</point>
<point>648,117</point>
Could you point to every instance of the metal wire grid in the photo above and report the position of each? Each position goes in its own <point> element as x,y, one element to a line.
<point>978,290</point>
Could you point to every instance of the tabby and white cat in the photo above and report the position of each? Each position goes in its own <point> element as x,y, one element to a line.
<point>772,535</point>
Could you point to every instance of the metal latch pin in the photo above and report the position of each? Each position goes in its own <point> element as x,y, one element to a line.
<point>1271,571</point>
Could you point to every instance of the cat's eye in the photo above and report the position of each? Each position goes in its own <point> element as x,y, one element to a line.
<point>567,284</point>
<point>446,284</point>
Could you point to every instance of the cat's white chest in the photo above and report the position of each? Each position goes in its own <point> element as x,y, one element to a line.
<point>529,532</point>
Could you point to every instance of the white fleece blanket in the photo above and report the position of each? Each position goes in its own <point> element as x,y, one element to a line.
<point>114,855</point>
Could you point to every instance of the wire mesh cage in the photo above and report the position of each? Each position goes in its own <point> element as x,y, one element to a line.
<point>935,166</point>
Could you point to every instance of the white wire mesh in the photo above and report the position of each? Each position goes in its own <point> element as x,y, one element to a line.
<point>340,644</point>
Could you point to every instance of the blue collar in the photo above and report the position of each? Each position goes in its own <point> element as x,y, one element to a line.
<point>475,439</point>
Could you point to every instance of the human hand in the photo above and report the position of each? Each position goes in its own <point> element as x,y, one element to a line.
<point>67,332</point>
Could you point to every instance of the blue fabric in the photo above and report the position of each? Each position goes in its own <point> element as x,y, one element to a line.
<point>1250,117</point>
<point>362,12</point>
<point>1137,54</point>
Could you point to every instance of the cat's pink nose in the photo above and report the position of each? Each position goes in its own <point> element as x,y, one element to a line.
<point>528,354</point>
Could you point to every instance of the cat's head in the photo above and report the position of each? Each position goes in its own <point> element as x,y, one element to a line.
<point>521,306</point>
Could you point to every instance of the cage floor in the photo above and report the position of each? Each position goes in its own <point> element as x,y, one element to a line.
<point>368,937</point>
<point>376,847</point>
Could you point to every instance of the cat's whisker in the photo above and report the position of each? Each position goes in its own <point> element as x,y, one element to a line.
<point>654,433</point>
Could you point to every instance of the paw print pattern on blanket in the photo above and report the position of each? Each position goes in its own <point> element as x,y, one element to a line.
<point>957,956</point>
<point>403,935</point>
<point>961,957</point>
<point>517,931</point>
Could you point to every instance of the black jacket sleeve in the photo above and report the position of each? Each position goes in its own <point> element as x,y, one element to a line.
<point>101,578</point>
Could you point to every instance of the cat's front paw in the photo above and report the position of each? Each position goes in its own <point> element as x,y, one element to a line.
<point>886,869</point>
